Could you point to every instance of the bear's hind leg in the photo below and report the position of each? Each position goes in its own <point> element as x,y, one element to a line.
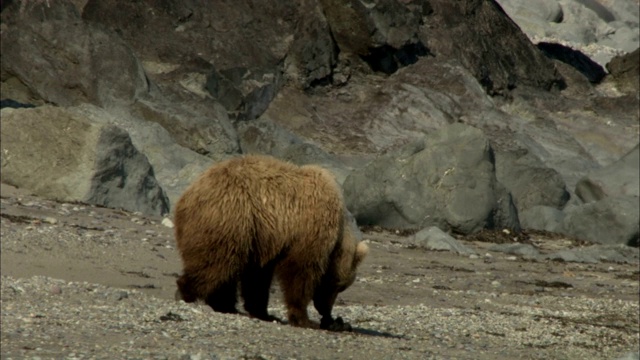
<point>297,285</point>
<point>255,285</point>
<point>223,298</point>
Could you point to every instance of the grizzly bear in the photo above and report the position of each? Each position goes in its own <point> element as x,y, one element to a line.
<point>248,218</point>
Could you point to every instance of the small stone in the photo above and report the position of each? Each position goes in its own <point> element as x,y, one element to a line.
<point>120,295</point>
<point>167,222</point>
<point>50,220</point>
<point>55,290</point>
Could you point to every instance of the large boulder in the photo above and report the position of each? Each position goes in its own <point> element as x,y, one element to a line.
<point>618,179</point>
<point>625,71</point>
<point>611,213</point>
<point>529,181</point>
<point>61,155</point>
<point>175,166</point>
<point>612,220</point>
<point>446,179</point>
<point>64,61</point>
<point>533,13</point>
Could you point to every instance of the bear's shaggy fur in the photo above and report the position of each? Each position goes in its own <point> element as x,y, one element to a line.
<point>251,217</point>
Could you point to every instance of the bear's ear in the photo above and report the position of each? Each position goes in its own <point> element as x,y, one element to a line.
<point>361,252</point>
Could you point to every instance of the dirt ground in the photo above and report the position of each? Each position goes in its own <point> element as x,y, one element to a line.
<point>123,250</point>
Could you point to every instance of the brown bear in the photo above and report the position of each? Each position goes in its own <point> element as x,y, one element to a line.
<point>251,217</point>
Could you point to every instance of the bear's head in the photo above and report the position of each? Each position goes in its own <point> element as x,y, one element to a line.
<point>341,273</point>
<point>347,270</point>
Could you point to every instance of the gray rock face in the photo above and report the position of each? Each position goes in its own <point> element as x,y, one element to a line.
<point>541,217</point>
<point>612,210</point>
<point>60,155</point>
<point>612,220</point>
<point>618,179</point>
<point>70,64</point>
<point>445,180</point>
<point>175,166</point>
<point>264,137</point>
<point>599,27</point>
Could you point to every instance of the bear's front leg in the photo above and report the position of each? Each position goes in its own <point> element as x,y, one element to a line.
<point>323,300</point>
<point>337,324</point>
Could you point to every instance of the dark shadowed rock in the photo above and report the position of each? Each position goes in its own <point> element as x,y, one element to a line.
<point>314,53</point>
<point>384,34</point>
<point>529,181</point>
<point>10,103</point>
<point>69,62</point>
<point>245,93</point>
<point>244,47</point>
<point>625,70</point>
<point>446,179</point>
<point>488,43</point>
<point>612,220</point>
<point>618,179</point>
<point>77,160</point>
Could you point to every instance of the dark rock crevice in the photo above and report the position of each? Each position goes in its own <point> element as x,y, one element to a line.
<point>575,58</point>
<point>388,59</point>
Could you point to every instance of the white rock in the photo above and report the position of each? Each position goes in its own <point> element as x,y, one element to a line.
<point>167,222</point>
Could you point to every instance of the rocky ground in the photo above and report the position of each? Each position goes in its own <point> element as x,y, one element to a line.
<point>80,281</point>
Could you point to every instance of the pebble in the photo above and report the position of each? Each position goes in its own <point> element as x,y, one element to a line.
<point>167,222</point>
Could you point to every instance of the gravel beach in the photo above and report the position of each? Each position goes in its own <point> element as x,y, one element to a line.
<point>81,282</point>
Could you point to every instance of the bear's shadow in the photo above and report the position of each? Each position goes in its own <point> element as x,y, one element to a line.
<point>354,330</point>
<point>369,332</point>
